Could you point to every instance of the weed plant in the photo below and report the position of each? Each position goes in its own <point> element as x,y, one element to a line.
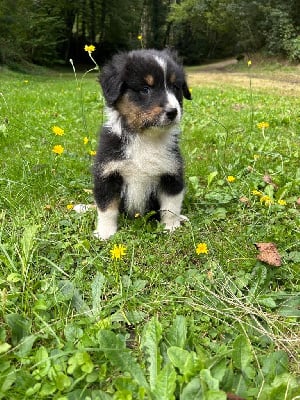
<point>145,316</point>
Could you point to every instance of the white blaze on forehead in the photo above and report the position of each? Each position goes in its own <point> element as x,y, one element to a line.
<point>163,65</point>
<point>171,98</point>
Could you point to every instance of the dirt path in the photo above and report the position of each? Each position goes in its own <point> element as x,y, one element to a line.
<point>220,74</point>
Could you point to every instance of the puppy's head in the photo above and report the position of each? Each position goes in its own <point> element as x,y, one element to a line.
<point>146,88</point>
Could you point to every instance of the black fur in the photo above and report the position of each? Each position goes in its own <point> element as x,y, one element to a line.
<point>138,166</point>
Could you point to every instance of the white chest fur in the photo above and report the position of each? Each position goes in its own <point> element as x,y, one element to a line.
<point>147,157</point>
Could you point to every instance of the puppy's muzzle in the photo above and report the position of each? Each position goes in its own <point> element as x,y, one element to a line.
<point>171,113</point>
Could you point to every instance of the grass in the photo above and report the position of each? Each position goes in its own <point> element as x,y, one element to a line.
<point>162,322</point>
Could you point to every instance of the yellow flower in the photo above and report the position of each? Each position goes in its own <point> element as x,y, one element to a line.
<point>70,206</point>
<point>57,130</point>
<point>256,192</point>
<point>267,200</point>
<point>263,125</point>
<point>256,157</point>
<point>26,81</point>
<point>140,37</point>
<point>92,153</point>
<point>281,202</point>
<point>118,251</point>
<point>89,48</point>
<point>58,149</point>
<point>249,63</point>
<point>230,178</point>
<point>85,140</point>
<point>202,248</point>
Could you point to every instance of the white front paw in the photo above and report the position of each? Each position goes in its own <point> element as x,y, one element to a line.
<point>173,222</point>
<point>105,232</point>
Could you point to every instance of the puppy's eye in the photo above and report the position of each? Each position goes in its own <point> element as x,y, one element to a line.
<point>145,90</point>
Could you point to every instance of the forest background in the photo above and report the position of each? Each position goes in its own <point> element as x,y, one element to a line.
<point>49,32</point>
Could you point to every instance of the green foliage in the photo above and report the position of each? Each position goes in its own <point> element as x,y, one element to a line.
<point>162,322</point>
<point>48,32</point>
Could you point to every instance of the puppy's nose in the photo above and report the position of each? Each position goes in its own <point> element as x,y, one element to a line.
<point>171,113</point>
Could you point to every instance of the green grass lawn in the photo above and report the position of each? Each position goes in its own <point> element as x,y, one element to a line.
<point>163,322</point>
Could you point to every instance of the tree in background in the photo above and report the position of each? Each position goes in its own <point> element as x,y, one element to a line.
<point>50,31</point>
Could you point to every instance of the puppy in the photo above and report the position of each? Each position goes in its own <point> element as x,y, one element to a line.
<point>138,166</point>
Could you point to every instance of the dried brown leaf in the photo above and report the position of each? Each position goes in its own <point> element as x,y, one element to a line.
<point>268,179</point>
<point>269,254</point>
<point>231,396</point>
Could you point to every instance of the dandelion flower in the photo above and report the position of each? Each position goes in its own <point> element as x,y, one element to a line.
<point>57,130</point>
<point>118,251</point>
<point>249,63</point>
<point>92,153</point>
<point>85,140</point>
<point>281,202</point>
<point>70,207</point>
<point>263,125</point>
<point>202,248</point>
<point>140,37</point>
<point>89,48</point>
<point>267,200</point>
<point>230,179</point>
<point>256,192</point>
<point>58,149</point>
<point>256,157</point>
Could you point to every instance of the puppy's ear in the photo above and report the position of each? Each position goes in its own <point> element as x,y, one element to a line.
<point>186,92</point>
<point>111,79</point>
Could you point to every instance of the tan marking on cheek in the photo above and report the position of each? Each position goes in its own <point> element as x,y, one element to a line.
<point>135,117</point>
<point>149,79</point>
<point>130,112</point>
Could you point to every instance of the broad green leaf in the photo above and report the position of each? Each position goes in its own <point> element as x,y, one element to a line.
<point>4,347</point>
<point>193,390</point>
<point>215,395</point>
<point>211,177</point>
<point>208,381</point>
<point>19,325</point>
<point>27,241</point>
<point>275,364</point>
<point>97,287</point>
<point>70,293</point>
<point>25,346</point>
<point>219,369</point>
<point>115,351</point>
<point>165,383</point>
<point>150,340</point>
<point>42,361</point>
<point>8,381</point>
<point>185,361</point>
<point>177,334</point>
<point>242,352</point>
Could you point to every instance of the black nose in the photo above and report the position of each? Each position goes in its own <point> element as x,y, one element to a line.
<point>171,113</point>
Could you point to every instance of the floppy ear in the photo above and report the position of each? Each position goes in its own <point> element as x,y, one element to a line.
<point>111,79</point>
<point>186,92</point>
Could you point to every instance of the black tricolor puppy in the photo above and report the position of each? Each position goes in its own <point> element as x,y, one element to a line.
<point>138,166</point>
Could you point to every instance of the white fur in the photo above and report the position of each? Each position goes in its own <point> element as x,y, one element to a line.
<point>114,120</point>
<point>147,158</point>
<point>170,210</point>
<point>107,223</point>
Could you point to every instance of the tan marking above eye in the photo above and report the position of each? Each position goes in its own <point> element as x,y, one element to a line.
<point>173,78</point>
<point>149,79</point>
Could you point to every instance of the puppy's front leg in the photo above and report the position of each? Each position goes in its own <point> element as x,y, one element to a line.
<point>170,209</point>
<point>107,222</point>
<point>107,195</point>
